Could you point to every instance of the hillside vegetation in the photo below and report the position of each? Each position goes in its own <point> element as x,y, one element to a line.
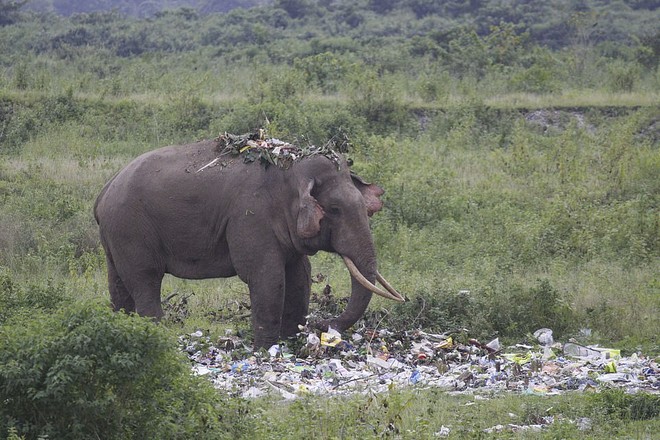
<point>517,142</point>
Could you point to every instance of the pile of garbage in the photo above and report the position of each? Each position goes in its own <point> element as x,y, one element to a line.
<point>372,360</point>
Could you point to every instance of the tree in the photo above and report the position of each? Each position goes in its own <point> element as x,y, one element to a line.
<point>9,11</point>
<point>295,8</point>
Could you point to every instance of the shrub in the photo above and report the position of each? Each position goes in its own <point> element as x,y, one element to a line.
<point>435,311</point>
<point>187,115</point>
<point>623,76</point>
<point>61,108</point>
<point>616,403</point>
<point>535,79</point>
<point>514,311</point>
<point>502,308</point>
<point>325,70</point>
<point>434,87</point>
<point>21,76</point>
<point>379,103</point>
<point>86,372</point>
<point>21,121</point>
<point>17,124</point>
<point>15,298</point>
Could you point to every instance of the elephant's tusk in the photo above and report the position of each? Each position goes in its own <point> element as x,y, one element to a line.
<point>389,287</point>
<point>355,272</point>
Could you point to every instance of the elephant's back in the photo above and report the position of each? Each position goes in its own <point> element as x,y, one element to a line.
<point>174,177</point>
<point>154,174</point>
<point>173,160</point>
<point>167,163</point>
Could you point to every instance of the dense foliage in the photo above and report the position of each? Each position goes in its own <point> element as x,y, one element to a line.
<point>507,46</point>
<point>547,23</point>
<point>138,8</point>
<point>85,372</point>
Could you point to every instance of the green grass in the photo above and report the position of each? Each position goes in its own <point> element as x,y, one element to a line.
<point>413,414</point>
<point>522,174</point>
<point>575,99</point>
<point>483,200</point>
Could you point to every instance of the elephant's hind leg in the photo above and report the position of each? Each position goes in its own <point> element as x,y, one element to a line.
<point>145,287</point>
<point>296,299</point>
<point>134,284</point>
<point>119,296</point>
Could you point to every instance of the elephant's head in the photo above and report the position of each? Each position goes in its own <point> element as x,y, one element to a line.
<point>334,206</point>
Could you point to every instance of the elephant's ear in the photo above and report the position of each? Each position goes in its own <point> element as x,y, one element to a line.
<point>310,213</point>
<point>371,194</point>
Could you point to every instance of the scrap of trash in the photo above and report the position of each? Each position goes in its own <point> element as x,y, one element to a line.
<point>257,147</point>
<point>371,360</point>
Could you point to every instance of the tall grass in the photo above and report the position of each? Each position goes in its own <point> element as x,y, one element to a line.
<point>507,204</point>
<point>511,170</point>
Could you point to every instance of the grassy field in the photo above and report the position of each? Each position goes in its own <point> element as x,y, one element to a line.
<point>484,199</point>
<point>524,174</point>
<point>548,217</point>
<point>423,414</point>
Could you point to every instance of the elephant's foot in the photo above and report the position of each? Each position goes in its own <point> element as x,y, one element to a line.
<point>264,343</point>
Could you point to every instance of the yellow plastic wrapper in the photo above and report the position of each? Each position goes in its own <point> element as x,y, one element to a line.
<point>609,353</point>
<point>610,367</point>
<point>330,339</point>
<point>519,359</point>
<point>447,343</point>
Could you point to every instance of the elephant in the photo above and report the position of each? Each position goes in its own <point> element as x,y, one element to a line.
<point>183,211</point>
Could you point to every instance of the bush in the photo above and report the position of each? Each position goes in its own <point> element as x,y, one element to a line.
<point>187,115</point>
<point>86,372</point>
<point>325,70</point>
<point>536,79</point>
<point>514,311</point>
<point>17,124</point>
<point>623,76</point>
<point>437,312</point>
<point>435,87</point>
<point>21,121</point>
<point>501,309</point>
<point>379,103</point>
<point>616,403</point>
<point>15,298</point>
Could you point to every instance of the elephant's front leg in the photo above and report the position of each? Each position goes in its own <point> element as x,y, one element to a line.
<point>296,296</point>
<point>258,262</point>
<point>267,302</point>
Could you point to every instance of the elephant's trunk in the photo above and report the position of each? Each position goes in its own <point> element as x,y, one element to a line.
<point>363,277</point>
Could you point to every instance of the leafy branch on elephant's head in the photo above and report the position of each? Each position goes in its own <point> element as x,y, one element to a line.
<point>271,151</point>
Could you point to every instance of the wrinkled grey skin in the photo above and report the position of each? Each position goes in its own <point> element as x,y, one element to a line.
<point>161,214</point>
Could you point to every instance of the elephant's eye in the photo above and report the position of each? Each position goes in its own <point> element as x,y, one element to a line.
<point>334,210</point>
